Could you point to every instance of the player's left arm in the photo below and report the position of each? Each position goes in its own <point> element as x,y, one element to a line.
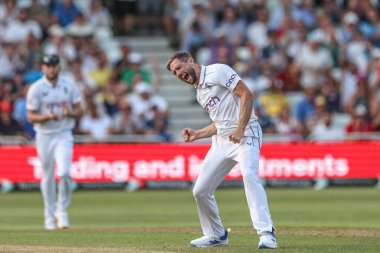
<point>76,112</point>
<point>246,104</point>
<point>76,97</point>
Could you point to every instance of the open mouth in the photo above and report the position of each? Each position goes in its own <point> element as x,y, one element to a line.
<point>186,77</point>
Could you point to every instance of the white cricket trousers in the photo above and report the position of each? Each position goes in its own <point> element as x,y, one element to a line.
<point>220,159</point>
<point>55,148</point>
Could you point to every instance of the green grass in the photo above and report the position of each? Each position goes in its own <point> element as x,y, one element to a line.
<point>334,220</point>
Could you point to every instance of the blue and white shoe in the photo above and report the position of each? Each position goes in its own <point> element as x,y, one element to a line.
<point>207,241</point>
<point>267,240</point>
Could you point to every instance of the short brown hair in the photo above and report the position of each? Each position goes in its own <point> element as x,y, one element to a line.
<point>180,55</point>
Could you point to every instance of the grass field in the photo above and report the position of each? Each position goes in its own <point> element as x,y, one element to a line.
<point>334,220</point>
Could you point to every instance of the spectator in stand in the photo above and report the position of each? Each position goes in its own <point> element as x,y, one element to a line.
<point>234,26</point>
<point>8,12</point>
<point>80,27</point>
<point>314,62</point>
<point>360,97</point>
<point>274,100</point>
<point>369,27</point>
<point>95,124</point>
<point>317,116</point>
<point>265,121</point>
<point>360,122</point>
<point>285,124</point>
<point>39,12</point>
<point>195,11</point>
<point>20,113</point>
<point>289,76</point>
<point>304,11</point>
<point>306,108</point>
<point>151,110</point>
<point>8,126</point>
<point>357,52</point>
<point>194,39</point>
<point>349,82</point>
<point>221,47</point>
<point>124,122</point>
<point>9,59</point>
<point>102,74</point>
<point>66,12</point>
<point>326,129</point>
<point>169,22</point>
<point>98,15</point>
<point>20,29</point>
<point>345,31</point>
<point>257,32</point>
<point>59,43</point>
<point>135,69</point>
<point>34,72</point>
<point>123,63</point>
<point>80,79</point>
<point>330,90</point>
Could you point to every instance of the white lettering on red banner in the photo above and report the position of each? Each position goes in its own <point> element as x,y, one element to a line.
<point>123,162</point>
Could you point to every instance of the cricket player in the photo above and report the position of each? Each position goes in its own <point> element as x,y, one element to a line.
<point>53,104</point>
<point>236,138</point>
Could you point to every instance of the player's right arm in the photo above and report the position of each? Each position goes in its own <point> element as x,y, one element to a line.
<point>33,104</point>
<point>35,117</point>
<point>190,135</point>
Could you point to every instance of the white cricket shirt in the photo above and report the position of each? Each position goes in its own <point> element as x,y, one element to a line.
<point>44,98</point>
<point>214,94</point>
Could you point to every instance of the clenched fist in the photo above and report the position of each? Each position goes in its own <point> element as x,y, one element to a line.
<point>188,135</point>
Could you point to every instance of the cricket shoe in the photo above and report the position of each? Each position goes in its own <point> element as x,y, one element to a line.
<point>50,224</point>
<point>63,221</point>
<point>207,241</point>
<point>267,240</point>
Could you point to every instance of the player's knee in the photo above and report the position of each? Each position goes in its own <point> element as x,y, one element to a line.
<point>65,178</point>
<point>199,193</point>
<point>251,176</point>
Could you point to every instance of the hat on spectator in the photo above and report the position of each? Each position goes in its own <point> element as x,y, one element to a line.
<point>375,53</point>
<point>135,57</point>
<point>143,87</point>
<point>350,18</point>
<point>199,3</point>
<point>56,31</point>
<point>219,33</point>
<point>315,37</point>
<point>51,59</point>
<point>360,110</point>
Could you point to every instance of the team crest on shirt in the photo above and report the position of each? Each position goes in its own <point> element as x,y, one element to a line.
<point>45,93</point>
<point>65,90</point>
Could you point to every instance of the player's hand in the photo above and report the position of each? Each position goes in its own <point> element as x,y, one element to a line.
<point>237,135</point>
<point>65,110</point>
<point>188,135</point>
<point>51,116</point>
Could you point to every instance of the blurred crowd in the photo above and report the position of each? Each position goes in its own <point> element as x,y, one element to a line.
<point>314,65</point>
<point>119,92</point>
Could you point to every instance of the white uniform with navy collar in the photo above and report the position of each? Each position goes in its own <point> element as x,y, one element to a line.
<point>214,94</point>
<point>54,140</point>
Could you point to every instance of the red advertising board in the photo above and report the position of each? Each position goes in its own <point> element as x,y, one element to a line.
<point>123,162</point>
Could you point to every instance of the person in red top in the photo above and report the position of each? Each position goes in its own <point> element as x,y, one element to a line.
<point>360,123</point>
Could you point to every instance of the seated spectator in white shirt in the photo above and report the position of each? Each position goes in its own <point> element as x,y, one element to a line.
<point>95,124</point>
<point>146,105</point>
<point>326,129</point>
